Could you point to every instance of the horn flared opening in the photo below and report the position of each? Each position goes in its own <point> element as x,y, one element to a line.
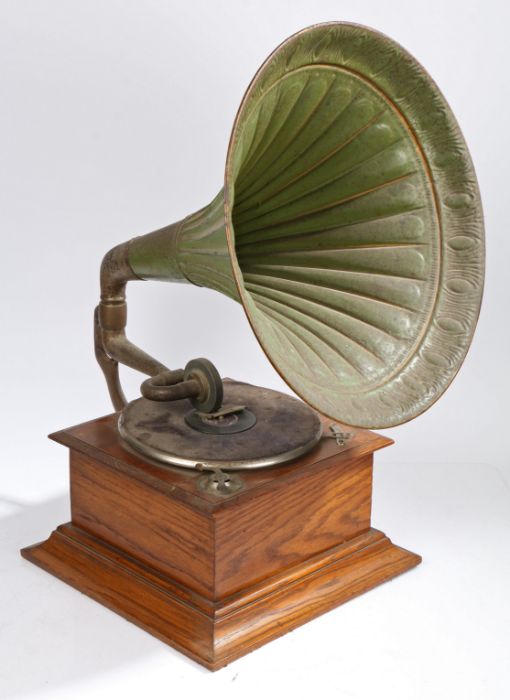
<point>353,221</point>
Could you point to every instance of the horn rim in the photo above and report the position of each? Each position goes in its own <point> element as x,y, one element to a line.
<point>442,175</point>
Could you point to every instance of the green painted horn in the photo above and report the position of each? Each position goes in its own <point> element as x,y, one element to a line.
<point>349,227</point>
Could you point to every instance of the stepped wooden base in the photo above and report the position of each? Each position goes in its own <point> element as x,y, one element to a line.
<point>217,576</point>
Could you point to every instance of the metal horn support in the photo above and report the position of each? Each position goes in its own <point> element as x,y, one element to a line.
<point>199,381</point>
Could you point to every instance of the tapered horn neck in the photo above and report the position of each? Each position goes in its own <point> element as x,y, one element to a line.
<point>191,250</point>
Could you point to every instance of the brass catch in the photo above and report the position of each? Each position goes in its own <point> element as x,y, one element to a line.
<point>338,434</point>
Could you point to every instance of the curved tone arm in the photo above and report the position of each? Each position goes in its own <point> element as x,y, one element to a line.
<point>199,381</point>
<point>110,317</point>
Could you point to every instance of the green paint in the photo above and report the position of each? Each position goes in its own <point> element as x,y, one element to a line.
<point>354,213</point>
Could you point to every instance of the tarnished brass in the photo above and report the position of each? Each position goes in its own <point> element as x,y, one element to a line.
<point>220,483</point>
<point>110,318</point>
<point>285,429</point>
<point>160,387</point>
<point>199,381</point>
<point>339,434</point>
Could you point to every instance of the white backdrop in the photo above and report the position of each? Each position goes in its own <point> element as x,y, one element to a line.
<point>114,120</point>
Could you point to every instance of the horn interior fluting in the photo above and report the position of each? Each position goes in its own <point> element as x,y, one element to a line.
<point>336,232</point>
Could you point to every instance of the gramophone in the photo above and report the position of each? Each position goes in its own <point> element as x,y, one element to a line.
<point>216,514</point>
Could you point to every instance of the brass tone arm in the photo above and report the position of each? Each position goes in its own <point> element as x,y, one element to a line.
<point>199,381</point>
<point>110,318</point>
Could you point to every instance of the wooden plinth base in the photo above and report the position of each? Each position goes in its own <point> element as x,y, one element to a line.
<point>217,576</point>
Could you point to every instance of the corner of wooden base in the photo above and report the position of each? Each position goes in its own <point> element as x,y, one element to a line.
<point>214,633</point>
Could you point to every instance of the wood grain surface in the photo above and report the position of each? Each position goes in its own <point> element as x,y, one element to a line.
<point>215,577</point>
